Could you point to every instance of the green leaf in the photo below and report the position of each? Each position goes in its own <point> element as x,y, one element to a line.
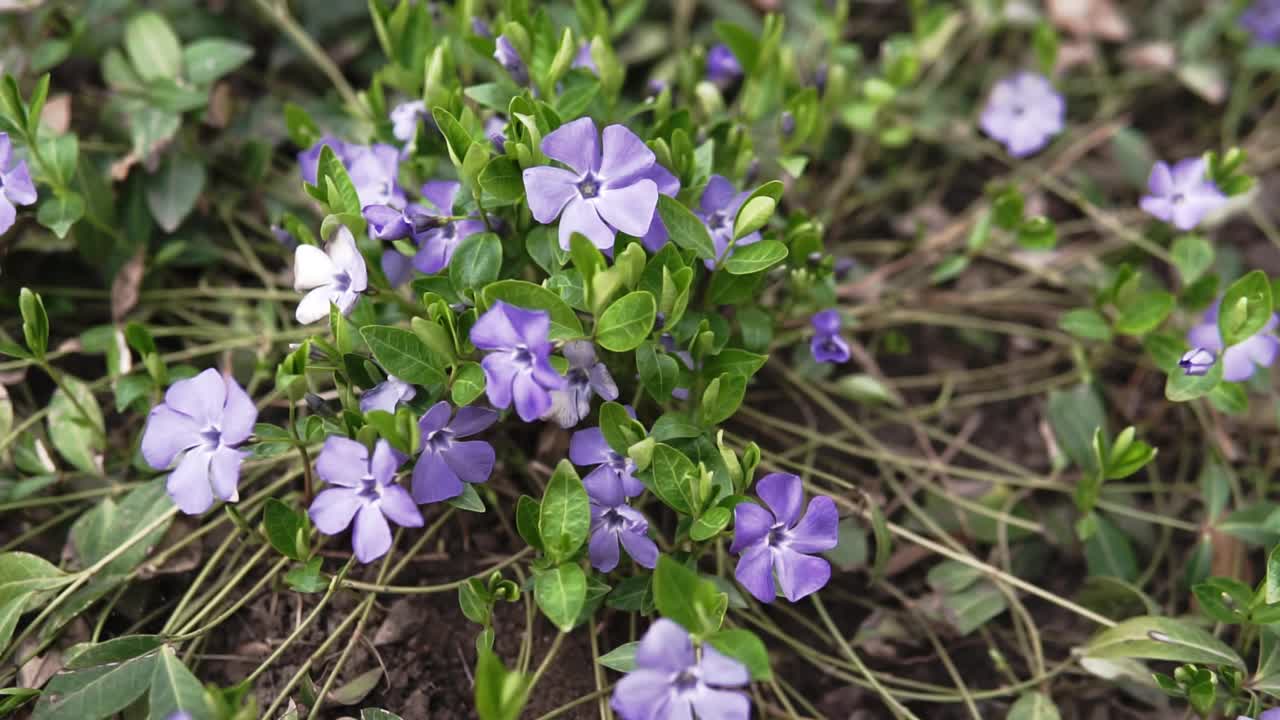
<point>543,246</point>
<point>734,362</point>
<point>1271,588</point>
<point>685,229</point>
<point>621,658</point>
<point>111,651</point>
<point>1037,233</point>
<point>307,578</point>
<point>564,321</point>
<point>1161,638</point>
<point>659,372</point>
<point>1245,309</point>
<point>710,524</point>
<point>356,690</point>
<point>109,524</point>
<point>1224,599</point>
<point>79,440</point>
<point>722,398</point>
<point>208,59</point>
<point>753,215</point>
<point>561,593</point>
<point>756,257</point>
<point>1074,415</point>
<point>619,429</point>
<point>476,262</point>
<point>1192,255</point>
<point>1181,387</point>
<point>285,528</point>
<point>1034,706</point>
<point>1142,314</point>
<point>173,190</point>
<point>502,179</point>
<point>456,137</point>
<point>35,321</point>
<point>500,694</point>
<point>974,606</point>
<point>745,647</point>
<point>24,575</point>
<point>527,512</point>
<point>153,47</point>
<point>61,152</point>
<point>10,611</point>
<point>743,43</point>
<point>468,383</point>
<point>175,689</point>
<point>60,212</point>
<point>1086,323</point>
<point>1109,552</point>
<point>469,500</point>
<point>565,513</point>
<point>627,321</point>
<point>687,599</point>
<point>97,692</point>
<point>671,476</point>
<point>403,354</point>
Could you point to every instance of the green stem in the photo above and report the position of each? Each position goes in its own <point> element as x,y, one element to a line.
<point>279,14</point>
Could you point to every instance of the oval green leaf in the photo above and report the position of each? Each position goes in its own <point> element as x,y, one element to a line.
<point>627,322</point>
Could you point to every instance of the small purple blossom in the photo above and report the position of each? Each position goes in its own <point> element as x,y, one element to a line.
<point>668,184</point>
<point>373,169</point>
<point>827,346</point>
<point>717,210</point>
<point>1262,20</point>
<point>586,376</point>
<point>602,192</point>
<point>613,480</point>
<point>447,461</point>
<point>655,86</point>
<point>386,395</point>
<point>619,524</point>
<point>1181,195</point>
<point>507,56</point>
<point>365,491</point>
<point>1024,112</point>
<point>584,60</point>
<point>779,540</point>
<point>516,368</point>
<point>405,118</point>
<point>284,237</point>
<point>1197,361</point>
<point>670,681</point>
<point>432,226</point>
<point>1272,714</point>
<point>495,128</point>
<point>722,65</point>
<point>16,187</point>
<point>205,418</point>
<point>337,276</point>
<point>480,27</point>
<point>1238,361</point>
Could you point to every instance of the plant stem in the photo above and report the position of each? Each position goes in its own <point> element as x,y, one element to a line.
<point>279,14</point>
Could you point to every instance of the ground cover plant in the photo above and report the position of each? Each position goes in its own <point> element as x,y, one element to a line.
<point>639,359</point>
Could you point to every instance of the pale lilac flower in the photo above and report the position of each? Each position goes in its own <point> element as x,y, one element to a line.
<point>506,55</point>
<point>1238,360</point>
<point>364,490</point>
<point>1262,20</point>
<point>614,524</point>
<point>827,346</point>
<point>779,540</point>
<point>584,60</point>
<point>670,682</point>
<point>1272,714</point>
<point>447,461</point>
<point>1197,361</point>
<point>386,395</point>
<point>586,376</point>
<point>603,192</point>
<point>405,118</point>
<point>374,171</point>
<point>337,277</point>
<point>480,27</point>
<point>495,128</point>
<point>722,65</point>
<point>516,368</point>
<point>717,210</point>
<point>180,715</point>
<point>614,478</point>
<point>1024,112</point>
<point>1181,195</point>
<point>16,187</point>
<point>205,417</point>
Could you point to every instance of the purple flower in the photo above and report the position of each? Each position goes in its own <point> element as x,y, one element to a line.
<point>338,277</point>
<point>431,225</point>
<point>16,187</point>
<point>480,27</point>
<point>779,540</point>
<point>1197,361</point>
<point>717,210</point>
<point>447,462</point>
<point>386,395</point>
<point>180,715</point>
<point>405,118</point>
<point>204,417</point>
<point>1262,20</point>
<point>722,65</point>
<point>309,159</point>
<point>616,524</point>
<point>669,185</point>
<point>1239,359</point>
<point>495,128</point>
<point>655,86</point>
<point>374,172</point>
<point>602,193</point>
<point>584,60</point>
<point>586,376</point>
<point>285,238</point>
<point>517,368</point>
<point>1181,195</point>
<point>366,491</point>
<point>1023,112</point>
<point>1272,714</point>
<point>613,480</point>
<point>506,55</point>
<point>827,346</point>
<point>670,682</point>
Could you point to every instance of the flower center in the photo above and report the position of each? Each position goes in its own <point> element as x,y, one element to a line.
<point>1178,198</point>
<point>1019,111</point>
<point>212,436</point>
<point>440,440</point>
<point>830,345</point>
<point>369,489</point>
<point>341,281</point>
<point>778,535</point>
<point>618,462</point>
<point>612,519</point>
<point>589,187</point>
<point>685,681</point>
<point>522,355</point>
<point>717,220</point>
<point>578,377</point>
<point>448,231</point>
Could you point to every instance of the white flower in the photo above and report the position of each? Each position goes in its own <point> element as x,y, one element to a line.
<point>337,277</point>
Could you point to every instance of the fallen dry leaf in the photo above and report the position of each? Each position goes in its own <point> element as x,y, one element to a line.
<point>1090,18</point>
<point>125,286</point>
<point>1151,56</point>
<point>56,114</point>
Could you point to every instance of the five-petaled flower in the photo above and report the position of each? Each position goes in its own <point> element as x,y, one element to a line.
<point>827,346</point>
<point>516,368</point>
<point>602,192</point>
<point>1238,360</point>
<point>1181,195</point>
<point>1262,20</point>
<point>1197,361</point>
<point>205,417</point>
<point>447,461</point>
<point>405,118</point>
<point>722,65</point>
<point>16,187</point>
<point>509,58</point>
<point>1024,112</point>
<point>386,395</point>
<point>337,276</point>
<point>364,490</point>
<point>614,522</point>
<point>586,376</point>
<point>670,680</point>
<point>614,475</point>
<point>779,540</point>
<point>373,169</point>
<point>431,225</point>
<point>717,210</point>
<point>582,59</point>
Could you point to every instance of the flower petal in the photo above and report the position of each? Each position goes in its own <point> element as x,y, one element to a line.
<point>386,460</point>
<point>580,216</point>
<point>717,195</point>
<point>665,646</point>
<point>712,704</point>
<point>640,547</point>
<point>1160,181</point>
<point>332,510</point>
<point>496,329</point>
<point>224,473</point>
<point>499,373</point>
<point>18,186</point>
<point>435,418</point>
<point>168,433</point>
<point>370,535</point>
<point>1262,349</point>
<point>720,669</point>
<point>818,530</point>
<point>588,447</point>
<point>800,575</point>
<point>312,268</point>
<point>576,144</point>
<point>751,524</point>
<point>8,214</point>
<point>784,494</point>
<point>440,195</point>
<point>604,487</point>
<point>397,505</point>
<point>347,258</point>
<point>238,415</point>
<point>644,695</point>
<point>755,572</point>
<point>471,460</point>
<point>342,461</point>
<point>603,549</point>
<point>314,306</point>
<point>625,155</point>
<point>548,189</point>
<point>1236,365</point>
<point>201,398</point>
<point>531,399</point>
<point>471,420</point>
<point>629,209</point>
<point>188,484</point>
<point>434,480</point>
